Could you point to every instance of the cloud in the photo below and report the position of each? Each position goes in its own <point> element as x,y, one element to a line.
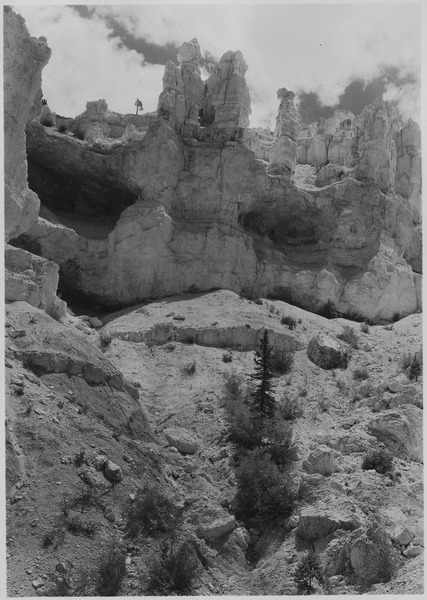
<point>317,48</point>
<point>87,65</point>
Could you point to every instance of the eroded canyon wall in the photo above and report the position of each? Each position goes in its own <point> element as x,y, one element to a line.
<point>194,200</point>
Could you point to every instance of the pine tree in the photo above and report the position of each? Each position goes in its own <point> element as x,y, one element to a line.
<point>263,403</point>
<point>415,370</point>
<point>308,569</point>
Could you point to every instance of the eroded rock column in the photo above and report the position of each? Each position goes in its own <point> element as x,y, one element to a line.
<point>284,152</point>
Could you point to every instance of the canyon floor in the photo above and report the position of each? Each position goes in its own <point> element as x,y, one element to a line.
<point>172,351</point>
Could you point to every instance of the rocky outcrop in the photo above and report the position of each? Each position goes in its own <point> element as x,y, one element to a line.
<point>284,150</point>
<point>211,214</point>
<point>24,59</point>
<point>227,95</point>
<point>34,280</point>
<point>401,431</point>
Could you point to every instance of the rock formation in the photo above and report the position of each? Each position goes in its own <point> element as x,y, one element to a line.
<point>284,150</point>
<point>196,181</point>
<point>29,278</point>
<point>24,59</point>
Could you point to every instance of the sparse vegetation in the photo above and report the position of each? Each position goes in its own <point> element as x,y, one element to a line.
<point>290,409</point>
<point>79,526</point>
<point>111,572</point>
<point>227,357</point>
<point>360,374</point>
<point>282,361</point>
<point>308,570</point>
<point>174,572</point>
<point>349,336</point>
<point>379,460</point>
<point>289,321</point>
<point>151,513</point>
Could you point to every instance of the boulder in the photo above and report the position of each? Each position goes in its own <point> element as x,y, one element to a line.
<point>112,471</point>
<point>401,431</point>
<point>405,537</point>
<point>216,529</point>
<point>321,460</point>
<point>326,352</point>
<point>413,551</point>
<point>97,462</point>
<point>95,322</point>
<point>181,439</point>
<point>317,522</point>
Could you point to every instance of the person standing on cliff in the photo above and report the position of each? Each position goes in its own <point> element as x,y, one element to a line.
<point>138,105</point>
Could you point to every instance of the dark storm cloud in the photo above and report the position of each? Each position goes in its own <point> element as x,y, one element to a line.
<point>358,94</point>
<point>154,54</point>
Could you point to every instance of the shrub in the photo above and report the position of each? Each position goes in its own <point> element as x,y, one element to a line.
<point>174,572</point>
<point>329,310</point>
<point>235,400</point>
<point>54,537</point>
<point>308,570</point>
<point>111,572</point>
<point>151,513</point>
<point>190,368</point>
<point>278,441</point>
<point>379,562</point>
<point>360,374</point>
<point>289,321</point>
<point>80,134</point>
<point>75,524</point>
<point>282,361</point>
<point>79,458</point>
<point>364,328</point>
<point>349,336</point>
<point>105,339</point>
<point>380,460</point>
<point>62,128</point>
<point>406,361</point>
<point>46,122</point>
<point>396,317</point>
<point>290,408</point>
<point>250,292</point>
<point>227,357</point>
<point>263,492</point>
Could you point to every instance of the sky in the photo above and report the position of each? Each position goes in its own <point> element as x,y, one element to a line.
<point>331,55</point>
